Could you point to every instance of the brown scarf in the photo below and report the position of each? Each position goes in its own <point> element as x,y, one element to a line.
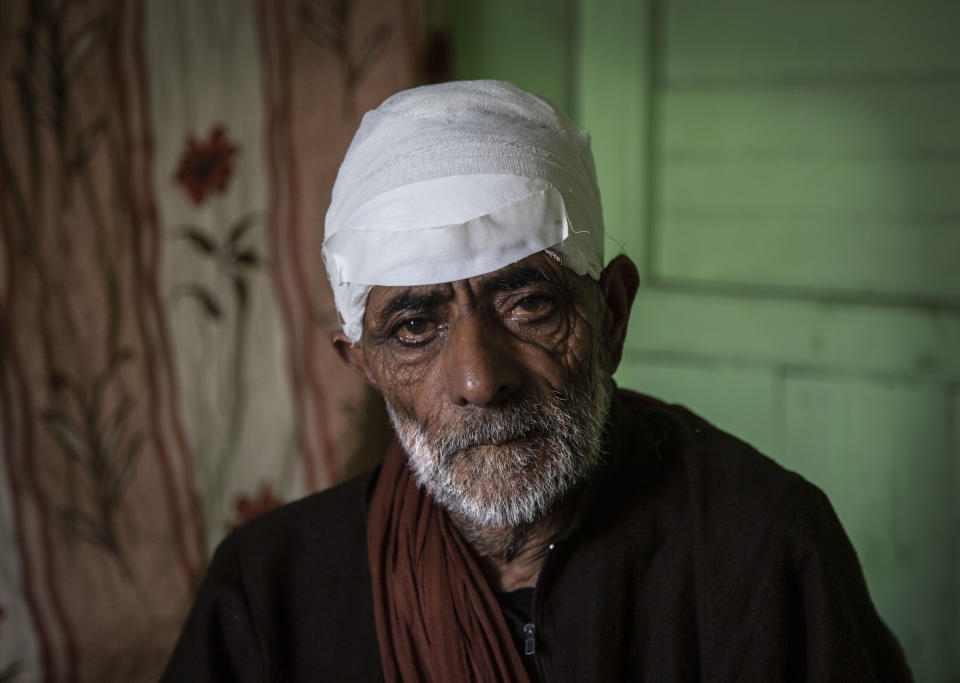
<point>437,619</point>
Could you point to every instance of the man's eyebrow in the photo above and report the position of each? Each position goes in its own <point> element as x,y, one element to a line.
<point>411,301</point>
<point>515,278</point>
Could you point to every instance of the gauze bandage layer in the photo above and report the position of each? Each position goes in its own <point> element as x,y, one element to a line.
<point>449,181</point>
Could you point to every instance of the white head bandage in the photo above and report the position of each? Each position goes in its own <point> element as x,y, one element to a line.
<point>449,181</point>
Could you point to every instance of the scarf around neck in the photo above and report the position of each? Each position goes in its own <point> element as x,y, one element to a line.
<point>437,618</point>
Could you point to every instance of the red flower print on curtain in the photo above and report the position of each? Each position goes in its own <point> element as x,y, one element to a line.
<point>206,165</point>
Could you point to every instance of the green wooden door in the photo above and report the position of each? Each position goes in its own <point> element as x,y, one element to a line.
<point>787,178</point>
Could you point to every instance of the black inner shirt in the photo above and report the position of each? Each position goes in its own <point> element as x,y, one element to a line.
<point>517,608</point>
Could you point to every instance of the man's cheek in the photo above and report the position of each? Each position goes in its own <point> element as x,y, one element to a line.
<point>412,397</point>
<point>577,350</point>
<point>557,361</point>
<point>397,371</point>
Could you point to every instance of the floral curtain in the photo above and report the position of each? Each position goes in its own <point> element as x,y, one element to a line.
<point>165,366</point>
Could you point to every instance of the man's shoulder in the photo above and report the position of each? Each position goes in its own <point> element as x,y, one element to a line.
<point>313,526</point>
<point>733,552</point>
<point>698,468</point>
<point>288,594</point>
<point>674,427</point>
<point>720,513</point>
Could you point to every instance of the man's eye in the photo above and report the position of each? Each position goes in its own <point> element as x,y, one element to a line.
<point>414,330</point>
<point>415,326</point>
<point>532,305</point>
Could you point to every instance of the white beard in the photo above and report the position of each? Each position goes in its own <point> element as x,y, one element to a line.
<point>548,444</point>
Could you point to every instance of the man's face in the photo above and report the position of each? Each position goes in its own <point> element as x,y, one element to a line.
<point>498,385</point>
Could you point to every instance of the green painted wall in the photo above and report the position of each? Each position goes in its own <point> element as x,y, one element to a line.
<point>787,177</point>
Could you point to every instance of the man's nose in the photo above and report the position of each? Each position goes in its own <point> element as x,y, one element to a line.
<point>480,369</point>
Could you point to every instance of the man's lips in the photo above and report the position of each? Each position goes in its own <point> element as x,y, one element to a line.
<point>531,436</point>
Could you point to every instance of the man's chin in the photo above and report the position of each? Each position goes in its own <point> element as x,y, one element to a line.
<point>485,509</point>
<point>499,486</point>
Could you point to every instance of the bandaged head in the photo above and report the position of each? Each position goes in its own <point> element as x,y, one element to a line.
<point>446,182</point>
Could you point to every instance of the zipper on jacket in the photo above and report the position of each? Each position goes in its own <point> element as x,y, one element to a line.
<point>530,642</point>
<point>530,630</point>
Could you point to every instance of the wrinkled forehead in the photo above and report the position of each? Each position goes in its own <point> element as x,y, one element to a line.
<point>537,269</point>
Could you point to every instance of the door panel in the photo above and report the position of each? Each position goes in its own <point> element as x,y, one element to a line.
<point>785,177</point>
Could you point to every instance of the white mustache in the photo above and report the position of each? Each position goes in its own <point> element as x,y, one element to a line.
<point>527,421</point>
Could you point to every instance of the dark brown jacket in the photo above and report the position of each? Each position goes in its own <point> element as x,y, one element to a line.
<point>693,557</point>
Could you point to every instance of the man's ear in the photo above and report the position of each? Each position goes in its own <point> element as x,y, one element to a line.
<point>354,356</point>
<point>619,282</point>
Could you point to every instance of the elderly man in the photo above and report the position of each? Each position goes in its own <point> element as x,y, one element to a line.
<point>531,522</point>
